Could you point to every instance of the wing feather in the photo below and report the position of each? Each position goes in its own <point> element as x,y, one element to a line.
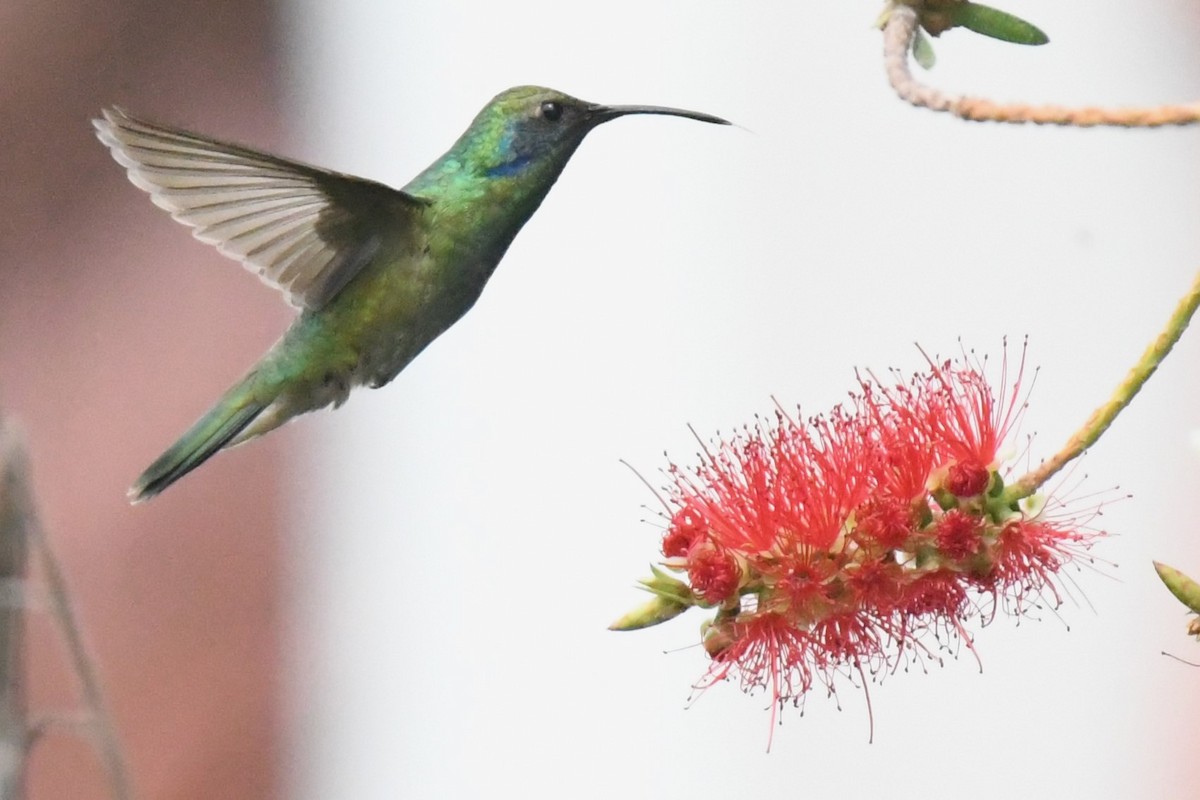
<point>304,230</point>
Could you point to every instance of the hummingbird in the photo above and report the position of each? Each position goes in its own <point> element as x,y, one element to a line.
<point>377,273</point>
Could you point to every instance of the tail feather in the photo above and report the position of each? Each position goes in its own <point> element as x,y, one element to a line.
<point>216,429</point>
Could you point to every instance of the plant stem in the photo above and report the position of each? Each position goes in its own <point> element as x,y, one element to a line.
<point>898,33</point>
<point>1103,416</point>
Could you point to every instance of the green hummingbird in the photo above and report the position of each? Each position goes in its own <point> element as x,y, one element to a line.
<point>377,273</point>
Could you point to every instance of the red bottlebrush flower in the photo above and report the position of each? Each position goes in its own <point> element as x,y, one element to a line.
<point>959,535</point>
<point>877,583</point>
<point>895,419</point>
<point>802,586</point>
<point>884,522</point>
<point>783,489</point>
<point>838,544</point>
<point>713,573</point>
<point>934,596</point>
<point>685,530</point>
<point>967,478</point>
<point>765,652</point>
<point>1029,553</point>
<point>967,420</point>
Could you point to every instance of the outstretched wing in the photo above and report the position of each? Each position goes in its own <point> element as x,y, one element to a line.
<point>304,230</point>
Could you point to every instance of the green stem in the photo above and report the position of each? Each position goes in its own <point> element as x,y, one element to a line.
<point>1103,416</point>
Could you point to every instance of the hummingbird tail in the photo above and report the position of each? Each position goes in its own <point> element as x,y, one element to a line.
<point>215,430</point>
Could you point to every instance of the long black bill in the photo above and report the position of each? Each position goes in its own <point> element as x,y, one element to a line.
<point>604,113</point>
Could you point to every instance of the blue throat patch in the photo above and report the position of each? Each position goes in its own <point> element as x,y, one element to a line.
<point>510,167</point>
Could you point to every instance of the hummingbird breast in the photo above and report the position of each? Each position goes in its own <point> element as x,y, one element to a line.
<point>397,310</point>
<point>421,280</point>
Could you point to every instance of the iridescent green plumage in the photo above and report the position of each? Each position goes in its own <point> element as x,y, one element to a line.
<point>377,273</point>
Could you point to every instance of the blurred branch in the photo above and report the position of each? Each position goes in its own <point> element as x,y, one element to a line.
<point>99,721</point>
<point>1104,416</point>
<point>898,35</point>
<point>15,511</point>
<point>20,530</point>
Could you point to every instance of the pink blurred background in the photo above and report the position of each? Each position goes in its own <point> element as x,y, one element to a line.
<point>115,329</point>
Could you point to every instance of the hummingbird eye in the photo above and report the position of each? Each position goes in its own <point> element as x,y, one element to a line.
<point>551,111</point>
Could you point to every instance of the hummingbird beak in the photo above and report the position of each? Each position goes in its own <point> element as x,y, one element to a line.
<point>598,113</point>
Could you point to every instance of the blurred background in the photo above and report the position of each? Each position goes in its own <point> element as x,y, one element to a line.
<point>409,597</point>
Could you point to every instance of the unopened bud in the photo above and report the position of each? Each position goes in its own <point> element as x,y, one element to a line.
<point>671,598</point>
<point>1184,588</point>
<point>659,609</point>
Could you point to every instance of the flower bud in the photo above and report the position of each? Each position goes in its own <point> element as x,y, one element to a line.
<point>659,609</point>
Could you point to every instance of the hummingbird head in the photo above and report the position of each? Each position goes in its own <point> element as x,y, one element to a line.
<point>531,126</point>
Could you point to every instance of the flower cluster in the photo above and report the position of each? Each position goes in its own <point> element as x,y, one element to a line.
<point>837,544</point>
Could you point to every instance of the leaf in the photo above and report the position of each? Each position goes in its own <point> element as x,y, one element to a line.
<point>1186,590</point>
<point>922,50</point>
<point>997,24</point>
<point>656,611</point>
<point>672,597</point>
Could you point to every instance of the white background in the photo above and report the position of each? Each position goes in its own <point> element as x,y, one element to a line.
<point>464,536</point>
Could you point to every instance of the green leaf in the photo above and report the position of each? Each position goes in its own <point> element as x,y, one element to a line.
<point>667,587</point>
<point>672,597</point>
<point>656,611</point>
<point>922,50</point>
<point>996,24</point>
<point>1184,588</point>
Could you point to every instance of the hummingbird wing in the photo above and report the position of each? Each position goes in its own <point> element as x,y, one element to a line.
<point>304,230</point>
